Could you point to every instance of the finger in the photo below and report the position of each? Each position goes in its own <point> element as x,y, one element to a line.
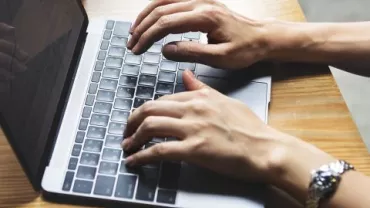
<point>155,126</point>
<point>150,8</point>
<point>153,17</point>
<point>174,150</point>
<point>188,51</point>
<point>11,64</point>
<point>191,83</point>
<point>10,49</point>
<point>173,23</point>
<point>153,108</point>
<point>4,28</point>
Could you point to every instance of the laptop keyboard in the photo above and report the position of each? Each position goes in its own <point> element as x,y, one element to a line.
<point>120,83</point>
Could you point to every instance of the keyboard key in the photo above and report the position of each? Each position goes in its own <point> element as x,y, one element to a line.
<point>166,77</point>
<point>164,88</point>
<point>90,100</point>
<point>123,104</point>
<point>80,137</point>
<point>189,66</point>
<point>99,120</point>
<point>119,41</point>
<point>111,73</point>
<point>104,45</point>
<point>116,51</point>
<point>102,55</point>
<point>107,34</point>
<point>108,168</point>
<point>156,96</point>
<point>116,128</point>
<point>173,38</point>
<point>96,132</point>
<point>95,77</point>
<point>147,184</point>
<point>124,169</point>
<point>139,101</point>
<point>113,141</point>
<point>89,159</point>
<point>160,42</point>
<point>99,66</point>
<point>122,29</point>
<point>85,172</point>
<point>168,65</point>
<point>82,186</point>
<point>180,88</point>
<point>106,96</point>
<point>93,145</point>
<point>147,80</point>
<point>76,150</point>
<point>93,88</point>
<point>83,124</point>
<point>125,186</point>
<point>114,62</point>
<point>72,163</point>
<point>68,181</point>
<point>149,69</point>
<point>109,25</point>
<point>108,84</point>
<point>144,92</point>
<point>152,58</point>
<point>120,116</point>
<point>133,59</point>
<point>128,81</point>
<point>100,107</point>
<point>170,175</point>
<point>131,70</point>
<point>156,48</point>
<point>169,139</point>
<point>192,35</point>
<point>111,154</point>
<point>104,185</point>
<point>125,92</point>
<point>86,112</point>
<point>166,196</point>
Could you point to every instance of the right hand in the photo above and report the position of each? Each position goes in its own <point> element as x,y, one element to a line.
<point>12,58</point>
<point>234,41</point>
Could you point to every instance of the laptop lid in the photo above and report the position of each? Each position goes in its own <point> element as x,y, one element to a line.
<point>40,42</point>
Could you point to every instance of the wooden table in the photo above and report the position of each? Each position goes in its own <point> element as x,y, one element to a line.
<point>306,103</point>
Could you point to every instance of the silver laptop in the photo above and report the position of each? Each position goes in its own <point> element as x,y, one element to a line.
<point>65,112</point>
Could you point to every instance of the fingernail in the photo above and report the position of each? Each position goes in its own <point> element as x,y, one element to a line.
<point>129,161</point>
<point>129,44</point>
<point>124,145</point>
<point>170,47</point>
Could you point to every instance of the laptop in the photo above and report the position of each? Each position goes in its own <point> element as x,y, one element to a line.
<point>67,87</point>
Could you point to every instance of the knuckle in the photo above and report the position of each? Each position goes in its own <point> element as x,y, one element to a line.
<point>149,123</point>
<point>148,108</point>
<point>159,11</point>
<point>198,144</point>
<point>160,150</point>
<point>164,21</point>
<point>198,106</point>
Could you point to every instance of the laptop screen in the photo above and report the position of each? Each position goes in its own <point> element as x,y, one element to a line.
<point>38,41</point>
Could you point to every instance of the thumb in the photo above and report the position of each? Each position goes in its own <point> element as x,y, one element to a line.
<point>191,83</point>
<point>188,51</point>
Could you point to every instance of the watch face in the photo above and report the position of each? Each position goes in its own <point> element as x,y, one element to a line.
<point>325,182</point>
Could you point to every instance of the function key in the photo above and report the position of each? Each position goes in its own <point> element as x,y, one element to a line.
<point>68,181</point>
<point>99,66</point>
<point>125,186</point>
<point>85,172</point>
<point>102,55</point>
<point>76,150</point>
<point>80,137</point>
<point>90,100</point>
<point>95,77</point>
<point>107,34</point>
<point>104,45</point>
<point>86,112</point>
<point>83,124</point>
<point>93,145</point>
<point>84,187</point>
<point>93,88</point>
<point>109,25</point>
<point>72,163</point>
<point>104,185</point>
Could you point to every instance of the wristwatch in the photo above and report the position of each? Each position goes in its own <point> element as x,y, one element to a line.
<point>324,182</point>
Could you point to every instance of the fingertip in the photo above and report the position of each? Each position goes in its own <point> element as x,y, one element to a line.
<point>130,161</point>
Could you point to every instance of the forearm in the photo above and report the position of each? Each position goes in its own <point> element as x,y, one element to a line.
<point>292,174</point>
<point>329,43</point>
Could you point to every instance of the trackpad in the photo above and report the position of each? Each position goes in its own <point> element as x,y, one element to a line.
<point>203,188</point>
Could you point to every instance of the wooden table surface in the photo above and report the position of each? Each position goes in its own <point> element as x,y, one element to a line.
<point>305,102</point>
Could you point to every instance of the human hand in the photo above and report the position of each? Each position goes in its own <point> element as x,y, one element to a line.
<point>12,58</point>
<point>234,41</point>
